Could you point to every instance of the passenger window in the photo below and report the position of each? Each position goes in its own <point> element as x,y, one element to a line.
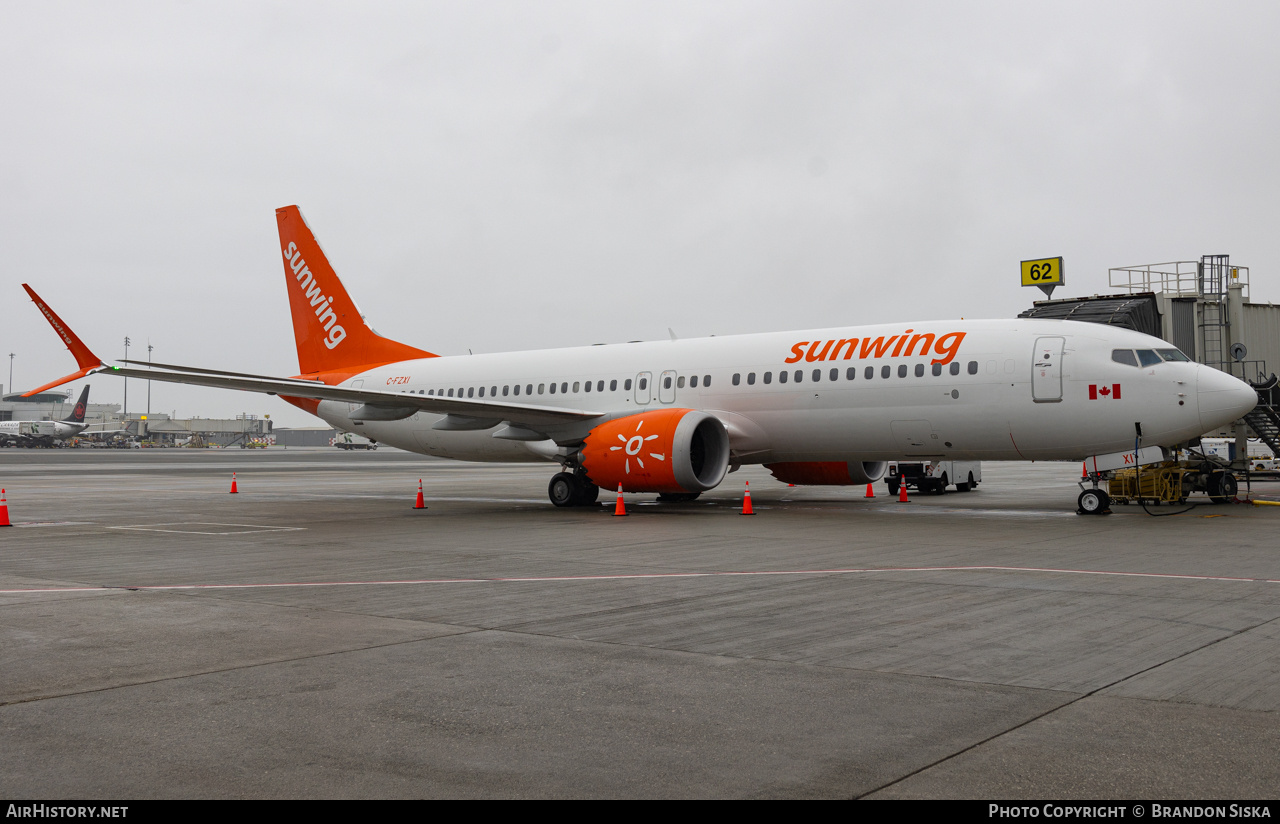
<point>706,380</point>
<point>613,385</point>
<point>528,389</point>
<point>973,367</point>
<point>768,377</point>
<point>902,370</point>
<point>471,392</point>
<point>782,377</point>
<point>576,386</point>
<point>553,389</point>
<point>627,384</point>
<point>543,386</point>
<point>937,369</point>
<point>1172,355</point>
<point>644,384</point>
<point>599,386</point>
<point>885,371</point>
<point>751,379</point>
<point>817,375</point>
<point>564,387</point>
<point>851,373</point>
<point>835,375</point>
<point>955,368</point>
<point>506,390</point>
<point>666,382</point>
<point>587,386</point>
<point>869,372</point>
<point>680,382</point>
<point>799,375</point>
<point>516,388</point>
<point>451,393</point>
<point>482,391</point>
<point>431,391</point>
<point>919,370</point>
<point>693,382</point>
<point>737,378</point>
<point>1147,357</point>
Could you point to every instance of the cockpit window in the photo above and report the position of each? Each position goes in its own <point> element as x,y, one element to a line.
<point>1172,354</point>
<point>1124,356</point>
<point>1148,357</point>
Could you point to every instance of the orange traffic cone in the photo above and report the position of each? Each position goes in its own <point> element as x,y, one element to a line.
<point>4,510</point>
<point>902,494</point>
<point>233,484</point>
<point>419,504</point>
<point>619,508</point>
<point>746,501</point>
<point>871,492</point>
<point>1084,471</point>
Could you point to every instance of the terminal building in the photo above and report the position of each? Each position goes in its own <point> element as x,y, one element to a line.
<point>1203,308</point>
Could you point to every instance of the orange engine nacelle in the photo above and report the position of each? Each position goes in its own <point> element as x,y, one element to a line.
<point>828,473</point>
<point>666,450</point>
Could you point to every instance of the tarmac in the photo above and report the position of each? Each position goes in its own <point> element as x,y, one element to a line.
<point>314,636</point>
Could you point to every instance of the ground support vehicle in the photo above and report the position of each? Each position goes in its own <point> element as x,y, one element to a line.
<point>933,476</point>
<point>348,441</point>
<point>1172,482</point>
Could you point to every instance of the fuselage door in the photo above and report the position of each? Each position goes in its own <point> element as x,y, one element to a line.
<point>1046,370</point>
<point>643,389</point>
<point>667,387</point>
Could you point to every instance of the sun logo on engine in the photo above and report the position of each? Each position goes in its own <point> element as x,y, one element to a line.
<point>633,445</point>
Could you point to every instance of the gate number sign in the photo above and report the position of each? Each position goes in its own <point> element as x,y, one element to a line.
<point>1043,272</point>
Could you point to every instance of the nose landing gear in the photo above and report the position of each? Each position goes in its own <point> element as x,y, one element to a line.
<point>1094,502</point>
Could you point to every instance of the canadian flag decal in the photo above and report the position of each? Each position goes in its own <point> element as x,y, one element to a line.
<point>1104,392</point>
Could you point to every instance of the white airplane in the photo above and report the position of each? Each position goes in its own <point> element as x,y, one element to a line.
<point>819,406</point>
<point>46,432</point>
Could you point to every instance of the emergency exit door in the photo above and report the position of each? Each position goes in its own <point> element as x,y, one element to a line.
<point>1046,370</point>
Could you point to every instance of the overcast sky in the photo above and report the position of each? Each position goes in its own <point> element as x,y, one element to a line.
<point>494,176</point>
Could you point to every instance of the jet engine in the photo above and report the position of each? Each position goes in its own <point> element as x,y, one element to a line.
<point>828,473</point>
<point>665,450</point>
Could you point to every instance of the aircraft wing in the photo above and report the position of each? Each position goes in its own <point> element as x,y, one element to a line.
<point>392,405</point>
<point>298,388</point>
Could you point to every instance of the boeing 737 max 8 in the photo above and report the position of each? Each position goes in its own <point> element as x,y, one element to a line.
<point>820,406</point>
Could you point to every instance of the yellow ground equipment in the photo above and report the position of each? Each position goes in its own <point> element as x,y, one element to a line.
<point>1170,482</point>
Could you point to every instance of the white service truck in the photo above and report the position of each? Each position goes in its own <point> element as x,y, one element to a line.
<point>933,476</point>
<point>347,441</point>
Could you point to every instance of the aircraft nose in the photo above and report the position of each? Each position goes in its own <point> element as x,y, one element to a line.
<point>1222,398</point>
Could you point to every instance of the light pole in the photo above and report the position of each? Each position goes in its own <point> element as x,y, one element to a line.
<point>11,372</point>
<point>149,380</point>
<point>126,380</point>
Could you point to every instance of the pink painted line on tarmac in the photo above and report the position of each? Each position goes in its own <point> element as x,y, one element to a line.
<point>638,576</point>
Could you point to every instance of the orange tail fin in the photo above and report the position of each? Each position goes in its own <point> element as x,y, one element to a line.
<point>86,360</point>
<point>329,330</point>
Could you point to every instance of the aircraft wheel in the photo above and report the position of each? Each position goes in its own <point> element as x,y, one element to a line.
<point>562,489</point>
<point>587,492</point>
<point>677,497</point>
<point>1093,502</point>
<point>1222,487</point>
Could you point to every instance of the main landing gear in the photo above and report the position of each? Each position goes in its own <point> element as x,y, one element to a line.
<point>572,489</point>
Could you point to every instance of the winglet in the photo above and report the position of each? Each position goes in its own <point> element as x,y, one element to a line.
<point>86,360</point>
